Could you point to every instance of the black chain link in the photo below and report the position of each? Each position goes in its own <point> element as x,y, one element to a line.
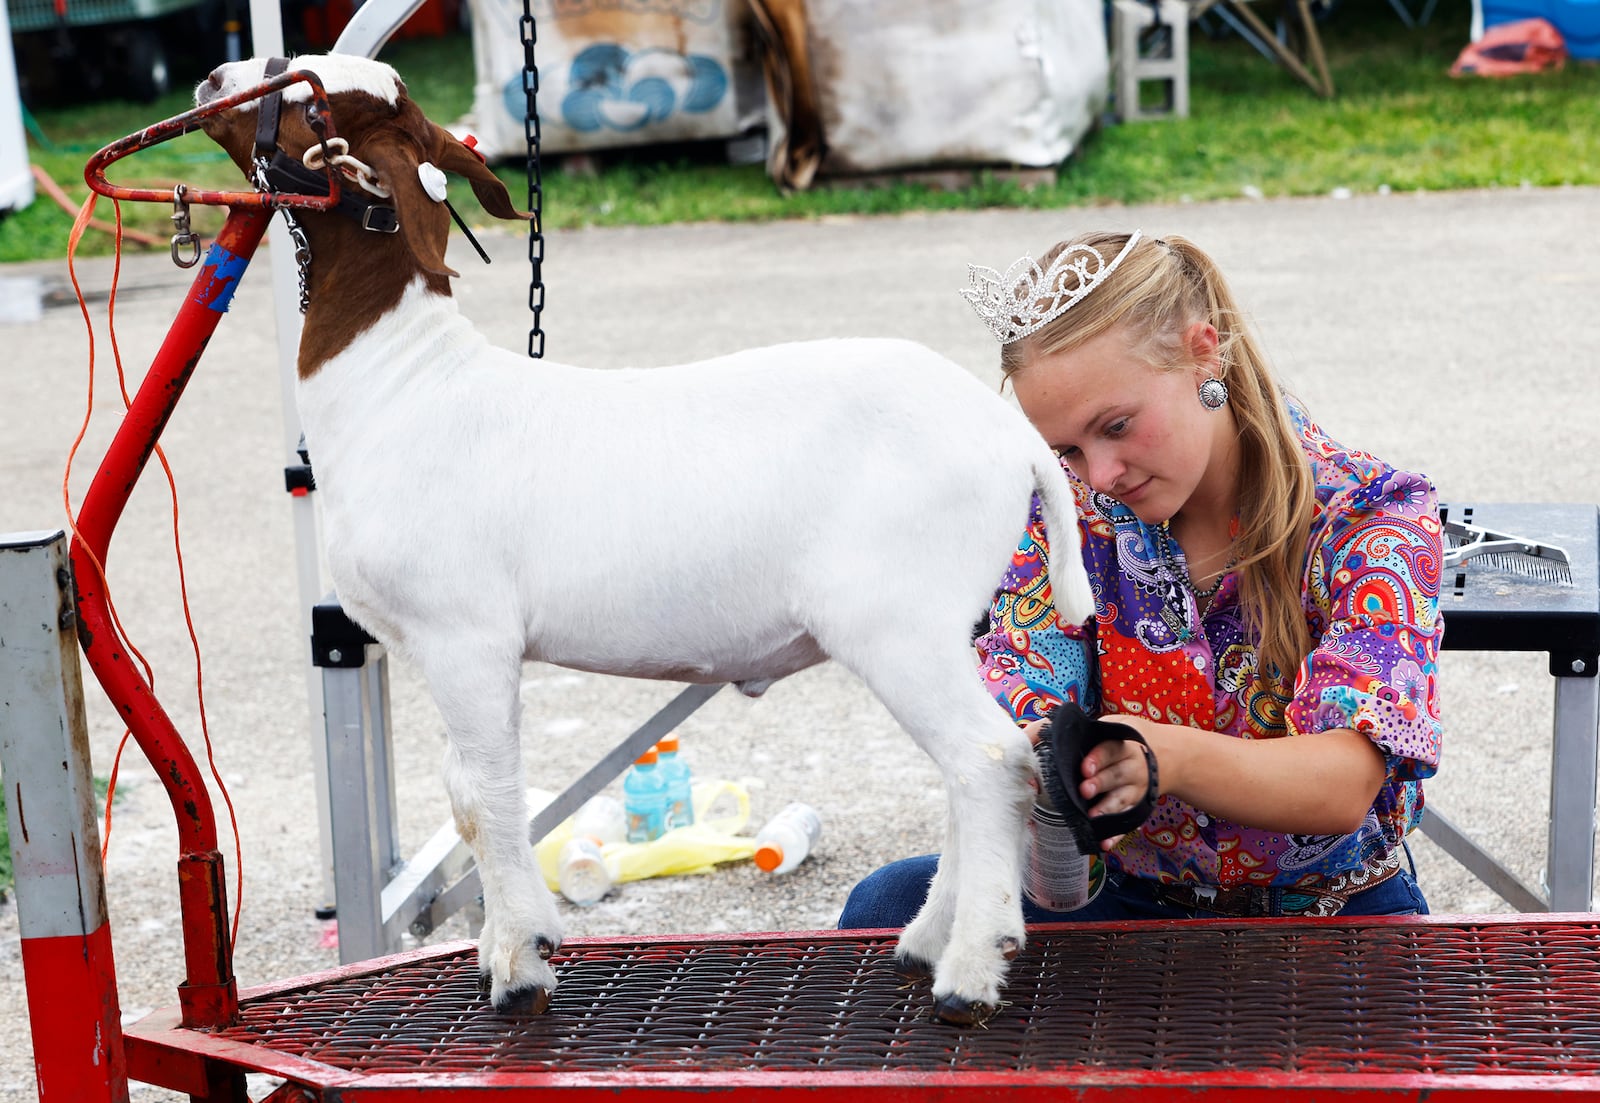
<point>530,128</point>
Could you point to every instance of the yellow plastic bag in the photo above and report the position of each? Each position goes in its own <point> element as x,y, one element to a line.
<point>721,809</point>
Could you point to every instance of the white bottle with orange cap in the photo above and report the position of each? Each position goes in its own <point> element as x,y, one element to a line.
<point>787,838</point>
<point>581,871</point>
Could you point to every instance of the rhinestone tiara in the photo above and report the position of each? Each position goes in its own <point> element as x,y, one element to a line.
<point>1023,299</point>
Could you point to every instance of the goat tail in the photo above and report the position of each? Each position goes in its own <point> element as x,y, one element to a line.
<point>1069,581</point>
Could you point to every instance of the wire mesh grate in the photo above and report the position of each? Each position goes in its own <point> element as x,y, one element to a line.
<point>1275,996</point>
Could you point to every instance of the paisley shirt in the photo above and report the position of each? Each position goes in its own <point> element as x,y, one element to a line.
<point>1370,596</point>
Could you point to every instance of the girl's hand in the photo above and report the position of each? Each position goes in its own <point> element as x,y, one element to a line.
<point>1114,772</point>
<point>1116,776</point>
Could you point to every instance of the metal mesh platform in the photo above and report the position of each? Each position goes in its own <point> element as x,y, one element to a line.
<point>1384,1004</point>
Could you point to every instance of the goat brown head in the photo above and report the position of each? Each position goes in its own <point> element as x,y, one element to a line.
<point>385,132</point>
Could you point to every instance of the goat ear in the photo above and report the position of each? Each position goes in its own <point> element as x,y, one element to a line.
<point>424,223</point>
<point>457,157</point>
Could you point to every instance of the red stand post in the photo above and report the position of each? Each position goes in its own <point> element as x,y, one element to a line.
<point>55,843</point>
<point>208,995</point>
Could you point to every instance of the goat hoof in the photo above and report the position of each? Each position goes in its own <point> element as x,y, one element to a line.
<point>546,949</point>
<point>912,969</point>
<point>531,1000</point>
<point>485,985</point>
<point>962,1012</point>
<point>1009,948</point>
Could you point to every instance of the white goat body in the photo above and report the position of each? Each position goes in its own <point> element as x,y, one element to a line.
<point>697,523</point>
<point>737,519</point>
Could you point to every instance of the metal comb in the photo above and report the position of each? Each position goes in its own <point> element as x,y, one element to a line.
<point>1505,551</point>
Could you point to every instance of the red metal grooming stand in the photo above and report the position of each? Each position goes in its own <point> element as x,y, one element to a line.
<point>1484,1009</point>
<point>208,993</point>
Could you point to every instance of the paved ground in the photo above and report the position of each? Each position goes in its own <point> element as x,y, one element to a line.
<point>1453,333</point>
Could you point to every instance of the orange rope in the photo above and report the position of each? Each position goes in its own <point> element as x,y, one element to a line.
<point>79,224</point>
<point>62,200</point>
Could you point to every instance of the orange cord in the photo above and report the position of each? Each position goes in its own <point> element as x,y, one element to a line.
<point>48,185</point>
<point>78,226</point>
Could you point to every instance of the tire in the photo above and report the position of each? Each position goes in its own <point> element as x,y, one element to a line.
<point>144,64</point>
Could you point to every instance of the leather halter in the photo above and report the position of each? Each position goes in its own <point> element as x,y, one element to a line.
<point>285,174</point>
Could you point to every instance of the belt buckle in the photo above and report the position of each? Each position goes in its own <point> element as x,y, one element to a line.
<point>380,219</point>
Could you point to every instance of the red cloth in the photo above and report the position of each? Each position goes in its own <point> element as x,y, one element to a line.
<point>1526,46</point>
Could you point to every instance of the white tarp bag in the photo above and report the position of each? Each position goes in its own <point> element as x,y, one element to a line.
<point>904,84</point>
<point>616,73</point>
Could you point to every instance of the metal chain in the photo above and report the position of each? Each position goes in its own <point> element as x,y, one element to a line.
<point>530,127</point>
<point>302,247</point>
<point>302,257</point>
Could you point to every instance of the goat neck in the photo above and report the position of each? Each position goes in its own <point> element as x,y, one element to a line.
<point>356,279</point>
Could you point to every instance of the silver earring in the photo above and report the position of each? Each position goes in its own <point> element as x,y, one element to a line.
<point>1213,394</point>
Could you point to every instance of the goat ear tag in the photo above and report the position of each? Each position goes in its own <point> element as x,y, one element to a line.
<point>433,181</point>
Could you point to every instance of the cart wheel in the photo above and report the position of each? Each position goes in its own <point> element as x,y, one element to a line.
<point>145,64</point>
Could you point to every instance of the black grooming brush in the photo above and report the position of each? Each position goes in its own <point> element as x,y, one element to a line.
<point>1068,738</point>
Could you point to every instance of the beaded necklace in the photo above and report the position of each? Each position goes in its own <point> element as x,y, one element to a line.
<point>1178,569</point>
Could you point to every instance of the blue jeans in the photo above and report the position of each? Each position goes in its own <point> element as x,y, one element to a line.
<point>891,896</point>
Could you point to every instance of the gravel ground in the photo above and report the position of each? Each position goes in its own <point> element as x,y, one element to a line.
<point>1451,333</point>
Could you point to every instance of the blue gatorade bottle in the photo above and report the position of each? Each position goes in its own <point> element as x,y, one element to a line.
<point>644,799</point>
<point>680,791</point>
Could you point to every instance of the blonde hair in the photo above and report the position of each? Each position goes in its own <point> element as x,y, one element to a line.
<point>1161,288</point>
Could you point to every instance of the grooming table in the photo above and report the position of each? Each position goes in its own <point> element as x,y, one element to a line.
<point>1445,1008</point>
<point>1487,609</point>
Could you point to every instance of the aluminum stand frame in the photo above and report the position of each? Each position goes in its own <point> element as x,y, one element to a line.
<point>1490,610</point>
<point>382,896</point>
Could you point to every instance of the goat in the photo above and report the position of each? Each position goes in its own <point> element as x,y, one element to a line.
<point>733,520</point>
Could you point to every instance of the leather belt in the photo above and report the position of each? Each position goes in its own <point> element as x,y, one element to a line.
<point>1255,901</point>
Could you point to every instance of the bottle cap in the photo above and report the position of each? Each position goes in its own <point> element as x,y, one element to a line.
<point>669,745</point>
<point>769,856</point>
<point>646,759</point>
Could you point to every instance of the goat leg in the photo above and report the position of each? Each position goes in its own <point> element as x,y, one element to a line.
<point>484,777</point>
<point>971,924</point>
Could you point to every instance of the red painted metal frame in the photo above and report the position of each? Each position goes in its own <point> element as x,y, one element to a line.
<point>78,1047</point>
<point>208,995</point>
<point>160,1050</point>
<point>94,171</point>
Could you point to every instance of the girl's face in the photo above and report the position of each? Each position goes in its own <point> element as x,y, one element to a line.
<point>1125,427</point>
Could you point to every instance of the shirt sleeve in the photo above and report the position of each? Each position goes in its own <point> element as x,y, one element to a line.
<point>1373,581</point>
<point>1029,661</point>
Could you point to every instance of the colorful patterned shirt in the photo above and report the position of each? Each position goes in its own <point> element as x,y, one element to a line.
<point>1371,601</point>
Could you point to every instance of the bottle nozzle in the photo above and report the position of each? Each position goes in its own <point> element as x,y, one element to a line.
<point>768,857</point>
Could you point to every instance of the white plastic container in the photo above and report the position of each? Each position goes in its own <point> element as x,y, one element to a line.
<point>581,871</point>
<point>788,838</point>
<point>603,818</point>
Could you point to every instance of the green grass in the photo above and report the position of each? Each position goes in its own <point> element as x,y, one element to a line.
<point>1399,121</point>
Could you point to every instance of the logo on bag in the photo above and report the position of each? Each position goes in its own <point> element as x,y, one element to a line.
<point>611,88</point>
<point>698,11</point>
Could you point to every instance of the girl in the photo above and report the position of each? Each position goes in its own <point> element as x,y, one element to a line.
<point>1266,604</point>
